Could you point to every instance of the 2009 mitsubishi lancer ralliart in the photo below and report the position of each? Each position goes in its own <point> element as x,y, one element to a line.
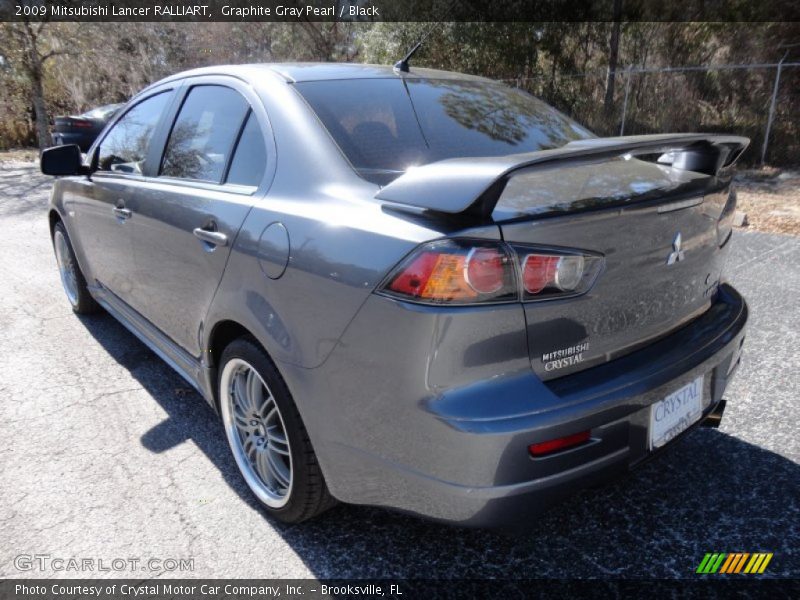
<point>409,288</point>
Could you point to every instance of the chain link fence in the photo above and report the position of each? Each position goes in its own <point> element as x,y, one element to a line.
<point>760,101</point>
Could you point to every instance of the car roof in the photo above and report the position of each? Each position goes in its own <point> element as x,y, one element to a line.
<point>298,71</point>
<point>323,71</point>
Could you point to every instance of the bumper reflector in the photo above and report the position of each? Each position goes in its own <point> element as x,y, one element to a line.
<point>558,444</point>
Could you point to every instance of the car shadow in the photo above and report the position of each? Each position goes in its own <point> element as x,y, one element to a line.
<point>711,492</point>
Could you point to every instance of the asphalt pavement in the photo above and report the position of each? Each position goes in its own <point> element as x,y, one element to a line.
<point>107,454</point>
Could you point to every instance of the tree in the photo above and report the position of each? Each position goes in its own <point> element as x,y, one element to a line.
<point>613,54</point>
<point>28,51</point>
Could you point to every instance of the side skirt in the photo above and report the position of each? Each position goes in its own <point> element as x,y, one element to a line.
<point>188,367</point>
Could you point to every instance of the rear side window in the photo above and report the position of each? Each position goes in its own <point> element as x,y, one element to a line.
<point>203,135</point>
<point>250,158</point>
<point>385,126</point>
<point>124,148</point>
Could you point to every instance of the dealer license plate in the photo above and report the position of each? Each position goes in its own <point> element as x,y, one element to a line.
<point>675,413</point>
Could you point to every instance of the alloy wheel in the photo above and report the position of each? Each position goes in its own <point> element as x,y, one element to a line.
<point>256,432</point>
<point>66,267</point>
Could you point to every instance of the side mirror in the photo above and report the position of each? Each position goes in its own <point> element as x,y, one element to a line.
<point>63,160</point>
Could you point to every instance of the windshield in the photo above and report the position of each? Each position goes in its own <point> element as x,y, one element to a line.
<point>385,126</point>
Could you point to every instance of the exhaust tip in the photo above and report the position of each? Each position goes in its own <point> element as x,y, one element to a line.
<point>715,416</point>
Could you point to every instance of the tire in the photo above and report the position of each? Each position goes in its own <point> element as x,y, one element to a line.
<point>267,437</point>
<point>72,279</point>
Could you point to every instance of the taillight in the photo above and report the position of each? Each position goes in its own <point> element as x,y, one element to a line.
<point>485,270</point>
<point>563,273</point>
<point>538,271</point>
<point>463,271</point>
<point>77,123</point>
<point>455,272</point>
<point>553,275</point>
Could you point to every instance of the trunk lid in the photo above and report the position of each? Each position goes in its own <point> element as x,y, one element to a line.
<point>656,207</point>
<point>656,227</point>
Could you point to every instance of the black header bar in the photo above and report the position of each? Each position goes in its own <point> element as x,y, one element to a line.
<point>398,10</point>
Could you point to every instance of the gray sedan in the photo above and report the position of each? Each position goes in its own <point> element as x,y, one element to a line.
<point>415,289</point>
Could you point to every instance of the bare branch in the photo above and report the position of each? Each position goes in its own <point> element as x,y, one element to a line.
<point>54,53</point>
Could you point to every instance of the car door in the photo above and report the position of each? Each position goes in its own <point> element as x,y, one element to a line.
<point>187,215</point>
<point>100,213</point>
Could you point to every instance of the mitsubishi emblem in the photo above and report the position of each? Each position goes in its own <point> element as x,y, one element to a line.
<point>676,254</point>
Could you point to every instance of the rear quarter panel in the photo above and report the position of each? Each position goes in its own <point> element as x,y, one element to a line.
<point>333,264</point>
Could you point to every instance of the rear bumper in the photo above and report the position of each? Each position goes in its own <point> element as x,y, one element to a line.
<point>459,453</point>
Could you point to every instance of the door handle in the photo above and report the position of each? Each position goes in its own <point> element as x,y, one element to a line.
<point>217,238</point>
<point>122,213</point>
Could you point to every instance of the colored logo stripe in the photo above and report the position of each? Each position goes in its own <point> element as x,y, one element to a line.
<point>703,564</point>
<point>758,563</point>
<point>711,563</point>
<point>729,562</point>
<point>741,562</point>
<point>734,562</point>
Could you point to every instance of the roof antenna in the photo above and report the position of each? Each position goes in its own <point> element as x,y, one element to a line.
<point>401,66</point>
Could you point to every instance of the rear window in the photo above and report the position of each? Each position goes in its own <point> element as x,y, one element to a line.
<point>250,157</point>
<point>385,126</point>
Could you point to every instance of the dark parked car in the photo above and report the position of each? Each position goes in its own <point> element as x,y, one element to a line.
<point>83,129</point>
<point>420,290</point>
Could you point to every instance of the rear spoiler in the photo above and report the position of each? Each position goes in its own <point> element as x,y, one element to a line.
<point>472,186</point>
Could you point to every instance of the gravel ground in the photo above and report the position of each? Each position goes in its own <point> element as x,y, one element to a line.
<point>771,200</point>
<point>106,453</point>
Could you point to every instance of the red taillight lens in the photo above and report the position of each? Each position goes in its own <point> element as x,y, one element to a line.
<point>455,272</point>
<point>413,280</point>
<point>485,270</point>
<point>564,273</point>
<point>547,276</point>
<point>562,443</point>
<point>76,123</point>
<point>538,271</point>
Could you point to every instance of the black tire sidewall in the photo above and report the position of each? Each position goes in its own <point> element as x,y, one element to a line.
<point>85,303</point>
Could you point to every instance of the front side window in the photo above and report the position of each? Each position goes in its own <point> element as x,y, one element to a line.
<point>124,149</point>
<point>204,132</point>
<point>385,126</point>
